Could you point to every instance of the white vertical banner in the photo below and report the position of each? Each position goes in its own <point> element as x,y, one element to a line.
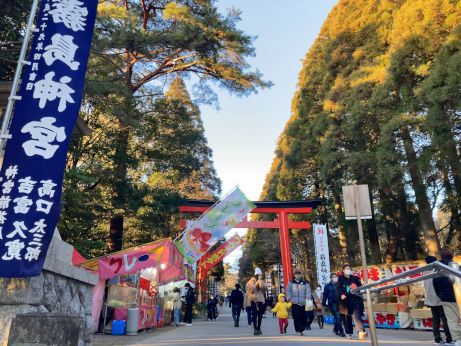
<point>322,255</point>
<point>281,281</point>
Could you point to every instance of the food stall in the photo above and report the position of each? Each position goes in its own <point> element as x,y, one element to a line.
<point>401,307</point>
<point>132,278</point>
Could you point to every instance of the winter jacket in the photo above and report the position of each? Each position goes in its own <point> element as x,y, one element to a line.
<point>246,301</point>
<point>444,288</point>
<point>176,300</point>
<point>236,298</point>
<point>255,290</point>
<point>331,294</point>
<point>211,304</point>
<point>298,291</point>
<point>281,308</point>
<point>190,296</point>
<point>345,288</point>
<point>431,298</point>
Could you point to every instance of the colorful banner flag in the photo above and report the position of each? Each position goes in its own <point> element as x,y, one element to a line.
<point>322,254</point>
<point>212,225</point>
<point>211,259</point>
<point>33,166</point>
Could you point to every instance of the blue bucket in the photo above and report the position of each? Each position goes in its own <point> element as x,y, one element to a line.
<point>118,327</point>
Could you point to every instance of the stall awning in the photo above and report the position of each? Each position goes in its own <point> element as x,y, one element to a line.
<point>132,260</point>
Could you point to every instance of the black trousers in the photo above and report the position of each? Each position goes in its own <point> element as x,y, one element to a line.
<point>437,316</point>
<point>299,317</point>
<point>188,314</point>
<point>257,312</point>
<point>309,318</point>
<point>236,309</point>
<point>338,329</point>
<point>347,322</point>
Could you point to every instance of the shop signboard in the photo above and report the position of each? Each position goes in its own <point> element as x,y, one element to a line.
<point>201,234</point>
<point>45,113</point>
<point>131,261</point>
<point>322,254</point>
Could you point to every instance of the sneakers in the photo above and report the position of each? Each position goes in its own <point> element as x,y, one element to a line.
<point>188,324</point>
<point>349,336</point>
<point>299,333</point>
<point>439,341</point>
<point>363,335</point>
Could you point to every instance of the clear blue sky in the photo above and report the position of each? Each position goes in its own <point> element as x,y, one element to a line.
<point>244,132</point>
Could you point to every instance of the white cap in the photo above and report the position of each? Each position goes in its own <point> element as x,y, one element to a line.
<point>258,271</point>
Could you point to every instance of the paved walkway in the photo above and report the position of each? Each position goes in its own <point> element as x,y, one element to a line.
<point>223,332</point>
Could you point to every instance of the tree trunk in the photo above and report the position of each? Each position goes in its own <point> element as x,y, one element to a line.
<point>455,224</point>
<point>444,140</point>
<point>388,211</point>
<point>373,238</point>
<point>115,241</point>
<point>406,229</point>
<point>422,201</point>
<point>341,229</point>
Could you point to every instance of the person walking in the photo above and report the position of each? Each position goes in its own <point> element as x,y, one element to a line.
<point>256,287</point>
<point>236,303</point>
<point>444,290</point>
<point>354,302</point>
<point>319,312</point>
<point>433,301</point>
<point>331,299</point>
<point>281,309</point>
<point>177,304</point>
<point>298,291</point>
<point>211,307</point>
<point>247,307</point>
<point>190,300</point>
<point>310,311</point>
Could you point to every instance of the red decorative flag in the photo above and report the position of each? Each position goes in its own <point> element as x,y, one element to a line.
<point>211,259</point>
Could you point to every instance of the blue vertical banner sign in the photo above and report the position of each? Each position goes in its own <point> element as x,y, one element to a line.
<point>34,161</point>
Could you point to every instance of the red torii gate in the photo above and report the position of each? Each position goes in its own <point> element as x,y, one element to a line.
<point>282,209</point>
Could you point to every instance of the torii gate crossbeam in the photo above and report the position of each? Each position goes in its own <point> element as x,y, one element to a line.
<point>282,209</point>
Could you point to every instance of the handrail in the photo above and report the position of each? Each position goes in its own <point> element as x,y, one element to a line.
<point>438,267</point>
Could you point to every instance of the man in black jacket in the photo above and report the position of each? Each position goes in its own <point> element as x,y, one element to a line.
<point>236,302</point>
<point>190,300</point>
<point>444,289</point>
<point>331,299</point>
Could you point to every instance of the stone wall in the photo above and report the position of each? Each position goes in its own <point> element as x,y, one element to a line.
<point>60,288</point>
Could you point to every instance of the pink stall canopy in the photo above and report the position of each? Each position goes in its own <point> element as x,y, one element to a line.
<point>161,254</point>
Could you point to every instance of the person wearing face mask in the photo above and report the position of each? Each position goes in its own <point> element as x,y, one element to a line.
<point>297,291</point>
<point>354,302</point>
<point>331,299</point>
